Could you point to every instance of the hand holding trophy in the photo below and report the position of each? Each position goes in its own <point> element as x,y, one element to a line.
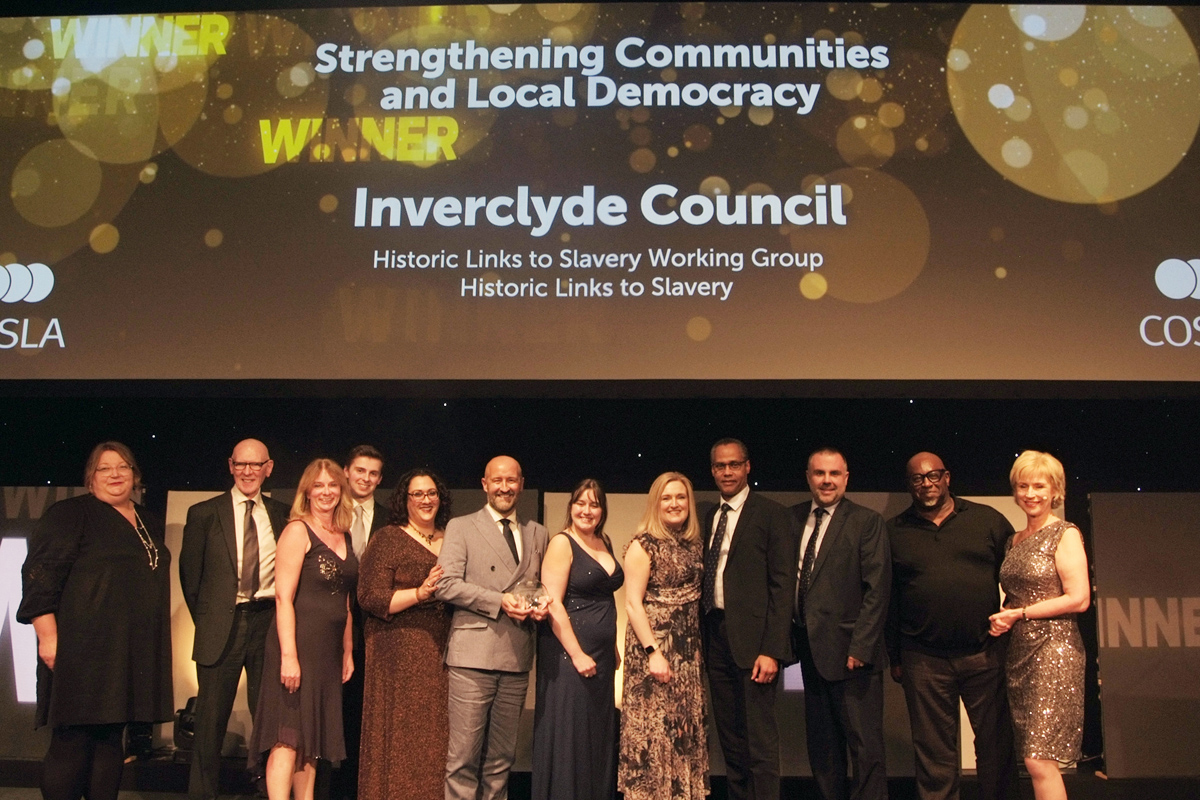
<point>534,596</point>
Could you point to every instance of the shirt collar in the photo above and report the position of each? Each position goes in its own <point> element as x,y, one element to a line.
<point>510,516</point>
<point>912,515</point>
<point>239,497</point>
<point>828,509</point>
<point>736,502</point>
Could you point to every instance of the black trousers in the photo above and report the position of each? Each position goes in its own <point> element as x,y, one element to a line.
<point>744,712</point>
<point>217,689</point>
<point>84,761</point>
<point>841,716</point>
<point>932,689</point>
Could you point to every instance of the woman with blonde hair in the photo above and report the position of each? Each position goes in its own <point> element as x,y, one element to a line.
<point>1045,581</point>
<point>664,746</point>
<point>299,717</point>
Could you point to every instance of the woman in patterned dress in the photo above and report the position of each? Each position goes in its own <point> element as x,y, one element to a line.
<point>405,726</point>
<point>1045,581</point>
<point>664,745</point>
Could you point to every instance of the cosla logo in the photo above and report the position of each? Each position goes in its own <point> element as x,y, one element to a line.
<point>1176,279</point>
<point>27,283</point>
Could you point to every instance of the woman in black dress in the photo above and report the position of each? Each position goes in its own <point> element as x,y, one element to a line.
<point>97,591</point>
<point>575,719</point>
<point>309,647</point>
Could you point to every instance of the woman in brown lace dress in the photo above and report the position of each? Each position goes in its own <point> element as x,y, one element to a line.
<point>1045,581</point>
<point>405,727</point>
<point>664,746</point>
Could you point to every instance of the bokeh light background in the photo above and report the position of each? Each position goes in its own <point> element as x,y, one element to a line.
<point>1013,178</point>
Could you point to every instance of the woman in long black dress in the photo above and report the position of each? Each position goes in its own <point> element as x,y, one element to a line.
<point>1045,582</point>
<point>309,649</point>
<point>574,723</point>
<point>97,591</point>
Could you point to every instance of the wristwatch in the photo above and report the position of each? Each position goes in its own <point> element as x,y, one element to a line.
<point>650,649</point>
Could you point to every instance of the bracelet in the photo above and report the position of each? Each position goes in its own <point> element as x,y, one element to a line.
<point>1024,616</point>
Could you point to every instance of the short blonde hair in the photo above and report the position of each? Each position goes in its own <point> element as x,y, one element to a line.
<point>342,515</point>
<point>1036,464</point>
<point>652,520</point>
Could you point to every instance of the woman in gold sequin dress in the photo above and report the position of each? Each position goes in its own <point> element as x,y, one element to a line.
<point>1045,581</point>
<point>664,745</point>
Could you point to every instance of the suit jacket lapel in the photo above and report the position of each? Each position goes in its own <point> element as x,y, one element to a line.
<point>228,527</point>
<point>490,531</point>
<point>832,532</point>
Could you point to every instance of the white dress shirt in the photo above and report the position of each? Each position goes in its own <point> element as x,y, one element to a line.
<point>516,527</point>
<point>809,525</point>
<point>735,504</point>
<point>266,543</point>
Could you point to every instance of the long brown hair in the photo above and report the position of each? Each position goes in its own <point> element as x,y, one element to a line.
<point>342,515</point>
<point>593,486</point>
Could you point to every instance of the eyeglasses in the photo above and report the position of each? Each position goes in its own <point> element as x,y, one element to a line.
<point>120,469</point>
<point>933,476</point>
<point>252,466</point>
<point>721,466</point>
<point>431,494</point>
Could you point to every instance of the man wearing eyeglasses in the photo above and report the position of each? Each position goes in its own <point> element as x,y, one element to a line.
<point>946,555</point>
<point>746,600</point>
<point>227,572</point>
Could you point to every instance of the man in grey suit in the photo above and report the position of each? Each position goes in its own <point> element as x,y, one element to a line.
<point>227,573</point>
<point>492,635</point>
<point>844,578</point>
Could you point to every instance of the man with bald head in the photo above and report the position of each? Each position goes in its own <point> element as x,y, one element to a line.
<point>946,556</point>
<point>227,572</point>
<point>492,635</point>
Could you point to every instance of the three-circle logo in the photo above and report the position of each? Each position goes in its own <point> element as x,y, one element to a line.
<point>1176,279</point>
<point>29,282</point>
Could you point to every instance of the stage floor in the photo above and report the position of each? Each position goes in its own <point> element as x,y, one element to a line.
<point>1079,787</point>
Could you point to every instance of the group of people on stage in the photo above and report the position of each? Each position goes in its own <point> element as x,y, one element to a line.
<point>399,640</point>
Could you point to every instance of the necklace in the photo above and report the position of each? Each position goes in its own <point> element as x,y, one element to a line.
<point>147,542</point>
<point>427,539</point>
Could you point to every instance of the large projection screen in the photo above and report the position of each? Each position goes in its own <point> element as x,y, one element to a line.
<point>602,191</point>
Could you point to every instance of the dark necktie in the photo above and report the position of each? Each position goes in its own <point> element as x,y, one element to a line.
<point>508,538</point>
<point>810,556</point>
<point>712,559</point>
<point>248,586</point>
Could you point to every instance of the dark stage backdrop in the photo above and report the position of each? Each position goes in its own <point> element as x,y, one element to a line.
<point>601,191</point>
<point>1149,630</point>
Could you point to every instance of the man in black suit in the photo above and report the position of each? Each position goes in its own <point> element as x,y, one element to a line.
<point>750,547</point>
<point>844,580</point>
<point>227,572</point>
<point>364,472</point>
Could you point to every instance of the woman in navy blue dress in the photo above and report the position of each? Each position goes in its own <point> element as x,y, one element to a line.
<point>575,719</point>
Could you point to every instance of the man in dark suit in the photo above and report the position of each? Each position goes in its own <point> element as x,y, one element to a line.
<point>227,572</point>
<point>364,472</point>
<point>750,547</point>
<point>492,634</point>
<point>844,580</point>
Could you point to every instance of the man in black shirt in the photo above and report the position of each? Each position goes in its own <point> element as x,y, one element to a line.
<point>946,556</point>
